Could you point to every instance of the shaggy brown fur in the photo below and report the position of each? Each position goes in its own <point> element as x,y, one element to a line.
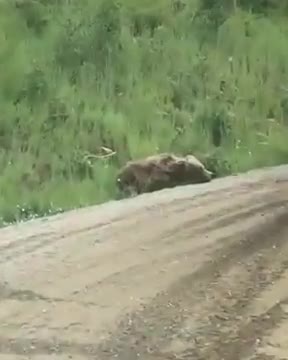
<point>161,171</point>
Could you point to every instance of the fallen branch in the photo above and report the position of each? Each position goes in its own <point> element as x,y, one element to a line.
<point>108,154</point>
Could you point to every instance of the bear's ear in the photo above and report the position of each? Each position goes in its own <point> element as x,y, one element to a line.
<point>181,162</point>
<point>178,166</point>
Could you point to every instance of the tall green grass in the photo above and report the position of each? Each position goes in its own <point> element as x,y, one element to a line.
<point>138,78</point>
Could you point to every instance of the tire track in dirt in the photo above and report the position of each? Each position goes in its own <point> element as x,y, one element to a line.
<point>167,237</point>
<point>46,229</point>
<point>170,275</point>
<point>222,334</point>
<point>39,241</point>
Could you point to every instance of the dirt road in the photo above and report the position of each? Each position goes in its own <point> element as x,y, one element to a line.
<point>195,272</point>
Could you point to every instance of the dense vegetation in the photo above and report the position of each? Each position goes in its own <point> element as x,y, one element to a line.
<point>137,77</point>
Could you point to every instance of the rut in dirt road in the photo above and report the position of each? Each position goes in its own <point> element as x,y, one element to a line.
<point>188,273</point>
<point>204,316</point>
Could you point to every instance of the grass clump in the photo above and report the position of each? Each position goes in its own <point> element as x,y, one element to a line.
<point>138,78</point>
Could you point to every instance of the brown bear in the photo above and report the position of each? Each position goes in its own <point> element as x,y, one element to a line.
<point>161,171</point>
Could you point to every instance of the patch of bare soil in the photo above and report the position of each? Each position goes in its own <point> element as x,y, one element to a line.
<point>195,272</point>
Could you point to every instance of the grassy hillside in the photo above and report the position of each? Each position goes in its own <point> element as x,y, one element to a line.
<point>137,77</point>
